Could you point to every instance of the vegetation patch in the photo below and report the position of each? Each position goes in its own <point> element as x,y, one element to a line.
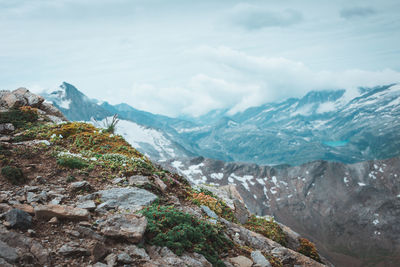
<point>267,228</point>
<point>208,199</point>
<point>20,117</point>
<point>109,151</point>
<point>182,232</point>
<point>13,174</point>
<point>275,261</point>
<point>72,162</point>
<point>308,248</point>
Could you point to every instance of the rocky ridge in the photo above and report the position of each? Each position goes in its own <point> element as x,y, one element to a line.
<point>72,194</point>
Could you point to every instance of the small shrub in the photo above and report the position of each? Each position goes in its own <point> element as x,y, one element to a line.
<point>72,162</point>
<point>267,228</point>
<point>308,248</point>
<point>13,174</point>
<point>210,200</point>
<point>274,261</point>
<point>110,126</point>
<point>182,232</point>
<point>70,179</point>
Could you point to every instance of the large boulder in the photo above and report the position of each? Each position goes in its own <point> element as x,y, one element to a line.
<point>30,99</point>
<point>130,227</point>
<point>123,199</point>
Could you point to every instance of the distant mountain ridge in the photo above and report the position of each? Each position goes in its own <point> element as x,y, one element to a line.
<point>327,125</point>
<point>351,211</point>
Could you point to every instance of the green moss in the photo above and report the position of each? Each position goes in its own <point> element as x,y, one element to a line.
<point>182,232</point>
<point>267,228</point>
<point>72,162</point>
<point>13,174</point>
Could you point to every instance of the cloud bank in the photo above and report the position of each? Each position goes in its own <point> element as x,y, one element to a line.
<point>249,81</point>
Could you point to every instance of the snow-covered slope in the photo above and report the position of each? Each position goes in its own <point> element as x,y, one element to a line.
<point>152,142</point>
<point>329,125</point>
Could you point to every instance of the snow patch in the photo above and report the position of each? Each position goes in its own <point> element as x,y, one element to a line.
<point>326,107</point>
<point>361,184</point>
<point>64,103</point>
<point>217,176</point>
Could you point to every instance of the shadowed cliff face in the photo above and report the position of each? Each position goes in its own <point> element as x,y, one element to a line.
<point>350,211</point>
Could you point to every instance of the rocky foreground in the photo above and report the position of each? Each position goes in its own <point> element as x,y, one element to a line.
<point>72,194</point>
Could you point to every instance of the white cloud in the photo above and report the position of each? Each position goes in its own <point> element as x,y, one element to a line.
<point>249,81</point>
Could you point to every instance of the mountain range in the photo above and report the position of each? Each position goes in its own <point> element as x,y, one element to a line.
<point>322,125</point>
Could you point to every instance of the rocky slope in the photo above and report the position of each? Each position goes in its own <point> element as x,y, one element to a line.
<point>351,211</point>
<point>75,195</point>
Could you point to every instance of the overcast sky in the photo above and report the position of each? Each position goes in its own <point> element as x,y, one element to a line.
<point>180,57</point>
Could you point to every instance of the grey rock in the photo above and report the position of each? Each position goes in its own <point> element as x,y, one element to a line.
<point>99,264</point>
<point>52,111</point>
<point>138,180</point>
<point>209,212</point>
<point>111,259</point>
<point>13,100</point>
<point>136,252</point>
<point>32,197</point>
<point>8,253</point>
<point>195,259</point>
<point>28,188</point>
<point>87,232</point>
<point>56,200</point>
<point>118,180</point>
<point>259,259</point>
<point>19,219</point>
<point>241,261</point>
<point>6,128</point>
<point>165,257</point>
<point>82,185</point>
<point>127,226</point>
<point>241,213</point>
<point>87,205</point>
<point>73,249</point>
<point>126,199</point>
<point>98,251</point>
<point>31,250</point>
<point>30,99</point>
<point>124,258</point>
<point>61,211</point>
<point>160,184</point>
